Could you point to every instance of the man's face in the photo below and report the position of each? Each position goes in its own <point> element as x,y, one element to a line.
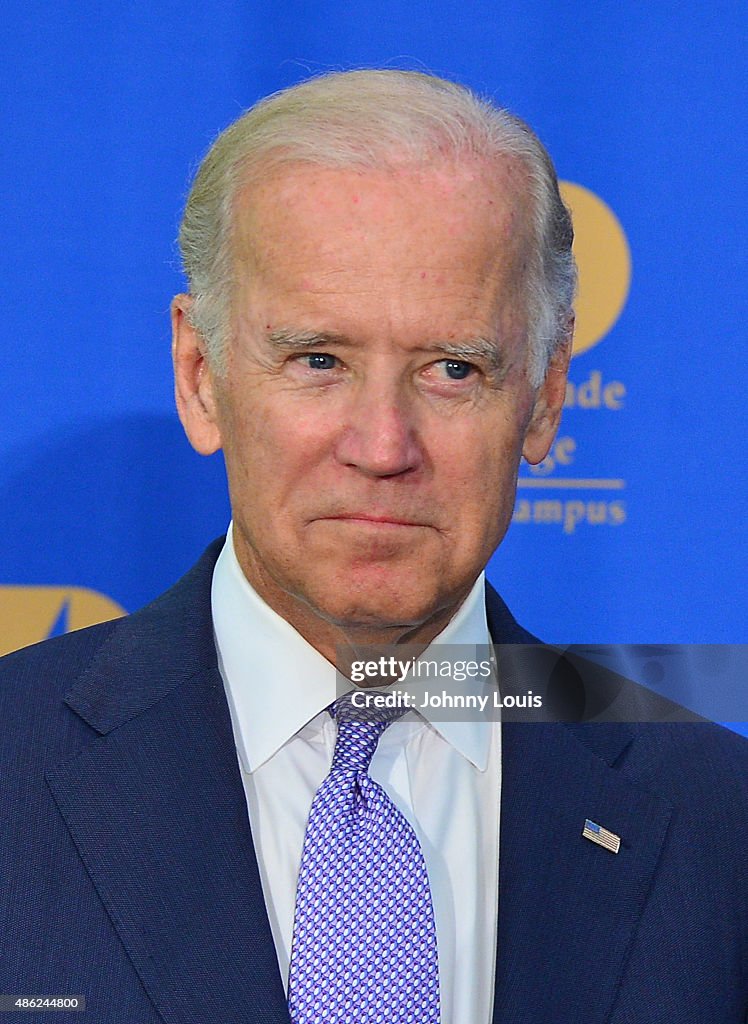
<point>376,402</point>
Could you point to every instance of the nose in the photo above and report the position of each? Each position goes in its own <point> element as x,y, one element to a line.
<point>379,436</point>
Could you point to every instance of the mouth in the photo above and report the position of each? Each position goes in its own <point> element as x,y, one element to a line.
<point>369,519</point>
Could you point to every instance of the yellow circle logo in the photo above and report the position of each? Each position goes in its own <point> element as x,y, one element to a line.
<point>30,614</point>
<point>604,263</point>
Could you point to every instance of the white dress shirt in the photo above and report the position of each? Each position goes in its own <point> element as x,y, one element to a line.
<point>445,776</point>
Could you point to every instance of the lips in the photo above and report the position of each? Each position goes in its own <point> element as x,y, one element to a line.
<point>373,519</point>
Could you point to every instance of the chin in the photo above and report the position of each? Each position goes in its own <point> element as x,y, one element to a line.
<point>379,600</point>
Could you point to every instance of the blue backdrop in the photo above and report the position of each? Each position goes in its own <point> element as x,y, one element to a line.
<point>632,533</point>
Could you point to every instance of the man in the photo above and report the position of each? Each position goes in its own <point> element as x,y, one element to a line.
<point>378,326</point>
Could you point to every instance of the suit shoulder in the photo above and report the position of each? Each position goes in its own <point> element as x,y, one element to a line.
<point>50,663</point>
<point>699,743</point>
<point>697,760</point>
<point>33,683</point>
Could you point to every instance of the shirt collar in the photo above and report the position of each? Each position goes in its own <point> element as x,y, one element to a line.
<point>276,682</point>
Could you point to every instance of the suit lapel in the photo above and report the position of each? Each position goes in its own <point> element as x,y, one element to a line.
<point>156,808</point>
<point>568,909</point>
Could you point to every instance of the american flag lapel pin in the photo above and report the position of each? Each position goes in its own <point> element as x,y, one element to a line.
<point>597,834</point>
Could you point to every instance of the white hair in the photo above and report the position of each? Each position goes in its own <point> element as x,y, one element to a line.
<point>372,119</point>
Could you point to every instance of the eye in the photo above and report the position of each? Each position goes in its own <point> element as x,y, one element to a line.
<point>457,369</point>
<point>320,361</point>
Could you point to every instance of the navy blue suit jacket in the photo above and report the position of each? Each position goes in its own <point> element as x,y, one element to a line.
<point>128,875</point>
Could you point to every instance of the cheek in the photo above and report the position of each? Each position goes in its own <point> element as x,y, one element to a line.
<point>272,441</point>
<point>480,480</point>
<point>485,454</point>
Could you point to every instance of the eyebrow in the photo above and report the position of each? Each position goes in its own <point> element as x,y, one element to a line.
<point>294,341</point>
<point>484,350</point>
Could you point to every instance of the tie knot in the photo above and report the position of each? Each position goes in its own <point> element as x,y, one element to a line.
<point>360,726</point>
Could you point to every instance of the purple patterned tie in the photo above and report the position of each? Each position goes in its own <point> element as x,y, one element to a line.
<point>364,941</point>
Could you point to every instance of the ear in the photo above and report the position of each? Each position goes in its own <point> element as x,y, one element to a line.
<point>194,387</point>
<point>549,402</point>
